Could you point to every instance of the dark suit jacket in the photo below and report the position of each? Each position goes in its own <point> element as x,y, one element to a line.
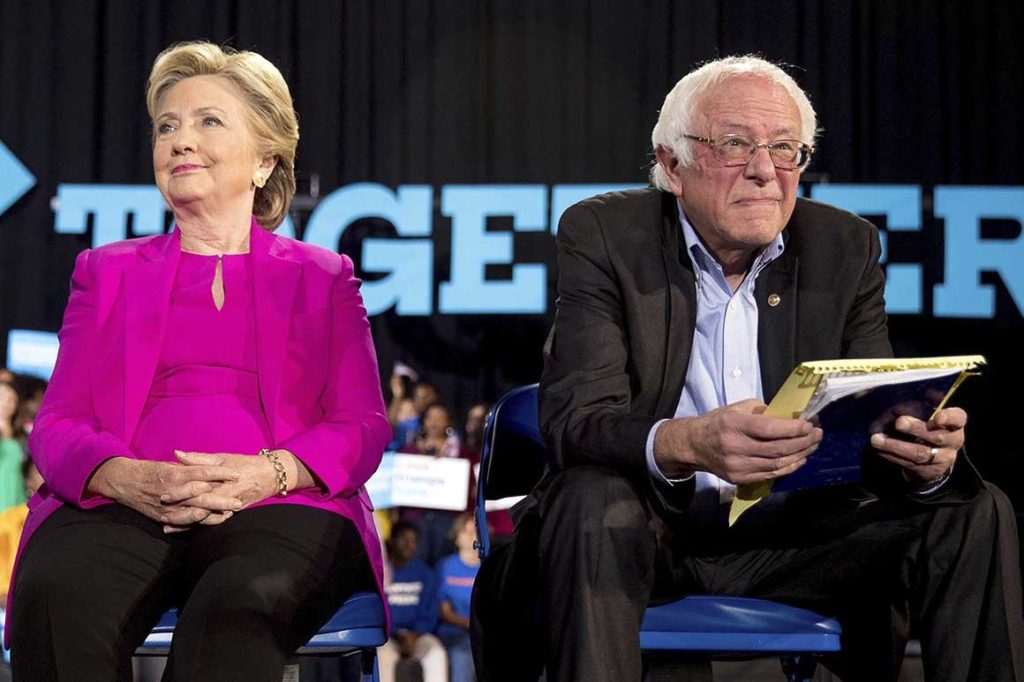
<point>617,356</point>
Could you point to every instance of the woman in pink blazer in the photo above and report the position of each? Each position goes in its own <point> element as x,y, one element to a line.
<point>213,415</point>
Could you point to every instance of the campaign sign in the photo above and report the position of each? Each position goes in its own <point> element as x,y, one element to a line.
<point>420,481</point>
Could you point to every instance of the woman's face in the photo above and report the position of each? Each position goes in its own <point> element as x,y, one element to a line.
<point>436,422</point>
<point>475,420</point>
<point>203,149</point>
<point>8,403</point>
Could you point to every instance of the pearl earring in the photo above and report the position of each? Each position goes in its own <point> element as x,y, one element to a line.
<point>258,179</point>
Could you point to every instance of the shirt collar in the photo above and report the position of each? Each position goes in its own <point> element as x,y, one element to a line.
<point>702,259</point>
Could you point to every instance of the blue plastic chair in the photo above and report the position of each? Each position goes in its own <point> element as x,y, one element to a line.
<point>358,626</point>
<point>713,625</point>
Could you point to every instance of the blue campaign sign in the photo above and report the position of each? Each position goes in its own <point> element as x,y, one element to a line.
<point>15,179</point>
<point>411,262</point>
<point>31,352</point>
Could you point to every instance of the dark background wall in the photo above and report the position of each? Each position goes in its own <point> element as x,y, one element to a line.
<point>503,92</point>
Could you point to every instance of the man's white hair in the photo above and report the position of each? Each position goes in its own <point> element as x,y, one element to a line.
<point>680,107</point>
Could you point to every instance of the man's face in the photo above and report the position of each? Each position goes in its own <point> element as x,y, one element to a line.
<point>738,209</point>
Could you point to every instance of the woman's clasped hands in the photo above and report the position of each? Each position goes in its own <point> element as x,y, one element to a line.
<point>199,488</point>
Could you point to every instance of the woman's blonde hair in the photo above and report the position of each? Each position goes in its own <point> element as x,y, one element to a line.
<point>269,103</point>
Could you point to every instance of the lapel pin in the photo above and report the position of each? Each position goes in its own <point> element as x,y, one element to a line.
<point>774,300</point>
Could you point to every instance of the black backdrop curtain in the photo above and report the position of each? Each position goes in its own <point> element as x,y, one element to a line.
<point>515,91</point>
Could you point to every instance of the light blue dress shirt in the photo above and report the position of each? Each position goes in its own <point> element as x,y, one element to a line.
<point>724,366</point>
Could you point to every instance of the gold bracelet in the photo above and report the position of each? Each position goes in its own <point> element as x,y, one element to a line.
<point>282,476</point>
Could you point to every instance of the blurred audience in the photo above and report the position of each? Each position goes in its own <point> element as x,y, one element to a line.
<point>424,425</point>
<point>499,521</point>
<point>19,478</point>
<point>476,417</point>
<point>405,412</point>
<point>455,576</point>
<point>412,598</point>
<point>32,390</point>
<point>33,479</point>
<point>436,437</point>
<point>12,456</point>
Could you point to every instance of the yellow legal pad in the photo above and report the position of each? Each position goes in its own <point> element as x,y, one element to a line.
<point>812,386</point>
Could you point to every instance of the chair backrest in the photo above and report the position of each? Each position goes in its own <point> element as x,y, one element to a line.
<point>514,455</point>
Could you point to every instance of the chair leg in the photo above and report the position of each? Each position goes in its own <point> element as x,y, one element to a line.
<point>368,659</point>
<point>799,667</point>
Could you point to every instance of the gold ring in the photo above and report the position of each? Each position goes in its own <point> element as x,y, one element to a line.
<point>931,455</point>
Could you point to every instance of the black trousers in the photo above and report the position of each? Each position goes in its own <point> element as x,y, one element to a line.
<point>604,551</point>
<point>92,583</point>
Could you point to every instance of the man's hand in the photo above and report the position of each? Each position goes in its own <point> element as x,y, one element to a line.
<point>157,489</point>
<point>736,442</point>
<point>929,449</point>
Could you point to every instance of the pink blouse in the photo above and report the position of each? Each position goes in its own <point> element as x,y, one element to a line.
<point>205,393</point>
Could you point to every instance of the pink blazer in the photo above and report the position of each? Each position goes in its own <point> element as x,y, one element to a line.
<point>318,376</point>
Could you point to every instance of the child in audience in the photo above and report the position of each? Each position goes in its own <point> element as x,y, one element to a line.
<point>456,574</point>
<point>412,598</point>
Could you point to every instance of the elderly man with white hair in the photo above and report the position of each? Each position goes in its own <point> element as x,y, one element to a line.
<point>681,310</point>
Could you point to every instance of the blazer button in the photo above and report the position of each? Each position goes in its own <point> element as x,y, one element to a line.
<point>774,300</point>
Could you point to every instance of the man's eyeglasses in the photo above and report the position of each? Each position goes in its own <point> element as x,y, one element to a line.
<point>736,150</point>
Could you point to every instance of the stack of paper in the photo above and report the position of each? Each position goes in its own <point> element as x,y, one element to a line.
<point>850,400</point>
